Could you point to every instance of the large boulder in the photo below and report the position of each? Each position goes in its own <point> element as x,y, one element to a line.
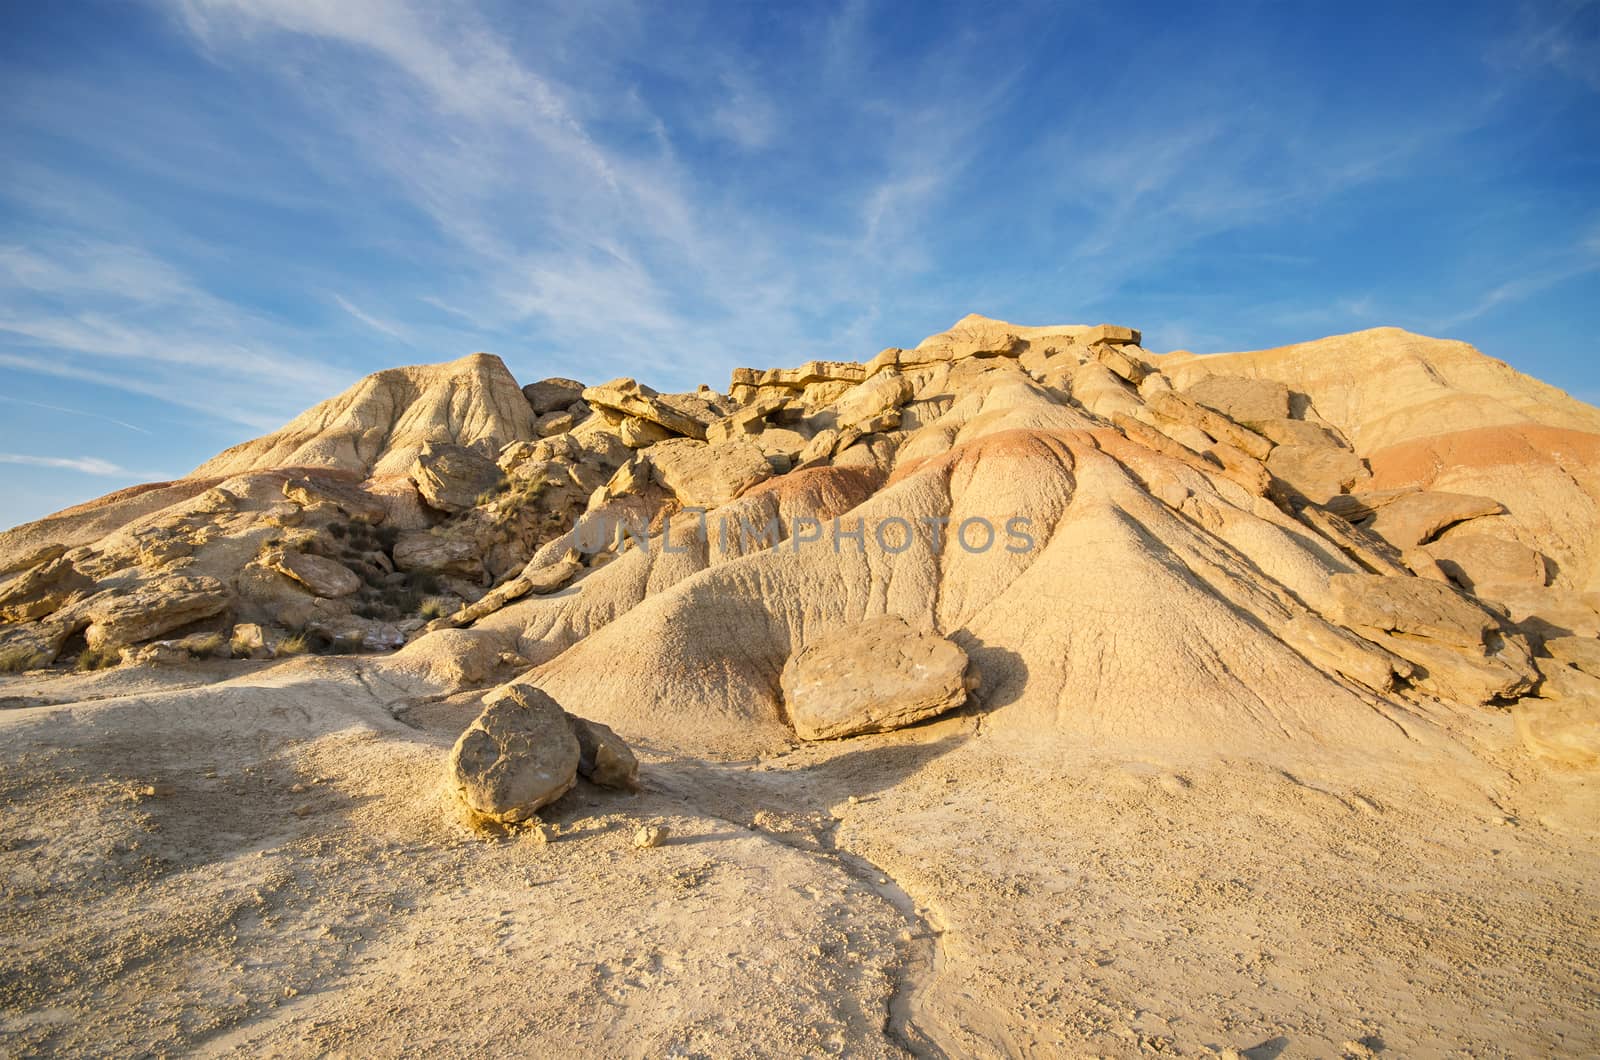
<point>873,677</point>
<point>1482,563</point>
<point>704,476</point>
<point>678,413</point>
<point>324,577</point>
<point>1458,649</point>
<point>1415,518</point>
<point>1317,472</point>
<point>146,610</point>
<point>1412,606</point>
<point>518,756</point>
<point>452,478</point>
<point>41,590</point>
<point>436,553</point>
<point>1241,399</point>
<point>552,395</point>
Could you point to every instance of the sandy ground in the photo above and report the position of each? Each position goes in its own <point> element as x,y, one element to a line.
<point>299,885</point>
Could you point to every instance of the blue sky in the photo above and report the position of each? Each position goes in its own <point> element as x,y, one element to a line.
<point>215,213</point>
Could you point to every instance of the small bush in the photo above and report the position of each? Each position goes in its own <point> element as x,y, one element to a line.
<point>436,607</point>
<point>208,647</point>
<point>16,661</point>
<point>425,583</point>
<point>98,659</point>
<point>338,530</point>
<point>298,644</point>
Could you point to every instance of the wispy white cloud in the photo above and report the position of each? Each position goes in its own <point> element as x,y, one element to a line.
<point>380,326</point>
<point>119,317</point>
<point>88,465</point>
<point>76,412</point>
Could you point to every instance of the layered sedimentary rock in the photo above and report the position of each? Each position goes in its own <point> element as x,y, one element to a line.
<point>1309,544</point>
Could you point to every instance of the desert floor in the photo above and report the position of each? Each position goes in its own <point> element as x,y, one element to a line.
<point>296,882</point>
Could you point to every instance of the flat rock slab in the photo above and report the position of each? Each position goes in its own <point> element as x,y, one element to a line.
<point>1411,606</point>
<point>877,676</point>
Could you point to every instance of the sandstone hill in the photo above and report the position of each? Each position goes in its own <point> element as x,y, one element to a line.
<point>1320,543</point>
<point>1022,692</point>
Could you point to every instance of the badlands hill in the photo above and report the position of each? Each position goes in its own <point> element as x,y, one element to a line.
<point>1358,576</point>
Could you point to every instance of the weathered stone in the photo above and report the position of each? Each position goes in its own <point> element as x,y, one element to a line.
<point>1412,606</point>
<point>1120,363</point>
<point>323,576</point>
<point>1563,731</point>
<point>143,611</point>
<point>677,413</point>
<point>36,644</point>
<point>1339,650</point>
<point>603,757</point>
<point>357,505</point>
<point>638,433</point>
<point>1481,562</point>
<point>1582,652</point>
<point>517,757</point>
<point>553,394</point>
<point>1242,399</point>
<point>552,423</point>
<point>438,553</point>
<point>650,836</point>
<point>704,476</point>
<point>1363,503</point>
<point>42,590</point>
<point>36,558</point>
<point>1368,550</point>
<point>745,421</point>
<point>537,578</point>
<point>1179,409</point>
<point>1416,518</point>
<point>452,478</point>
<point>1110,335</point>
<point>810,372</point>
<point>873,677</point>
<point>1317,472</point>
<point>866,401</point>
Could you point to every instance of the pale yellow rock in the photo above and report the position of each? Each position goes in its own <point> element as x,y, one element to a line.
<point>1565,731</point>
<point>1582,652</point>
<point>872,677</point>
<point>1413,519</point>
<point>453,478</point>
<point>323,576</point>
<point>517,757</point>
<point>704,476</point>
<point>379,426</point>
<point>148,609</point>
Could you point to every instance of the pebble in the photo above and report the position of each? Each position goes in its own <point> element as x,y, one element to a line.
<point>650,836</point>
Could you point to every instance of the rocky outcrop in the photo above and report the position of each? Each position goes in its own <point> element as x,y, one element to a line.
<point>41,591</point>
<point>379,426</point>
<point>677,414</point>
<point>145,610</point>
<point>322,576</point>
<point>452,478</point>
<point>552,395</point>
<point>873,677</point>
<point>705,476</point>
